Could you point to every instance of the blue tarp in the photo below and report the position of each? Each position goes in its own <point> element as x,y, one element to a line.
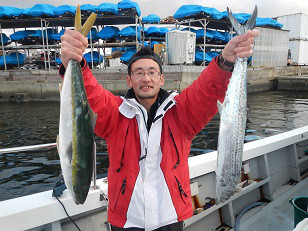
<point>227,36</point>
<point>38,33</point>
<point>11,59</point>
<point>208,56</point>
<point>124,49</point>
<point>42,10</point>
<point>129,31</point>
<point>58,61</point>
<point>93,34</point>
<point>127,55</point>
<point>108,32</point>
<point>191,29</point>
<point>10,12</point>
<point>107,8</point>
<point>216,35</point>
<point>210,34</point>
<point>153,43</point>
<point>57,37</point>
<point>87,8</point>
<point>64,9</point>
<point>163,31</point>
<point>152,18</point>
<point>239,17</point>
<point>97,58</point>
<point>153,31</point>
<point>128,5</point>
<point>20,35</point>
<point>243,17</point>
<point>268,22</point>
<point>192,10</point>
<point>6,40</point>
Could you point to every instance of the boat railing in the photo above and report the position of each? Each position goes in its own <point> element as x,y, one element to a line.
<point>38,147</point>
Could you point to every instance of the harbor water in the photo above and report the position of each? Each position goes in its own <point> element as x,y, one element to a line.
<point>31,123</point>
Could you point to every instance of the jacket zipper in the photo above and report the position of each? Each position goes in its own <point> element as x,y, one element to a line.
<point>121,163</point>
<point>182,193</point>
<point>177,152</point>
<point>122,191</point>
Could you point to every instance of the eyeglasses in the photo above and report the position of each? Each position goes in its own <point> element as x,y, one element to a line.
<point>140,74</point>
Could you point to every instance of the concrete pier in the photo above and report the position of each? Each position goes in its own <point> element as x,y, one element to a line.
<point>44,85</point>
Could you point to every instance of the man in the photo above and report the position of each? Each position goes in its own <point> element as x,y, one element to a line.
<point>149,132</point>
<point>289,57</point>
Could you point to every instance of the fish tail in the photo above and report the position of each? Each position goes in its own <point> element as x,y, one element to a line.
<point>250,24</point>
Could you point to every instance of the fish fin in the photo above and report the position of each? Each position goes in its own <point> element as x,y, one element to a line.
<point>219,106</point>
<point>58,143</point>
<point>250,24</point>
<point>94,148</point>
<point>93,117</point>
<point>77,24</point>
<point>88,24</point>
<point>60,87</point>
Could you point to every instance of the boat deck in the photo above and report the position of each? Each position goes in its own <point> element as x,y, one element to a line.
<point>276,215</point>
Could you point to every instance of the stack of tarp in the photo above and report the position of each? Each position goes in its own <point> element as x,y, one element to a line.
<point>6,40</point>
<point>158,32</point>
<point>12,60</point>
<point>109,33</point>
<point>199,56</point>
<point>129,33</point>
<point>8,12</point>
<point>153,31</point>
<point>31,37</point>
<point>200,12</point>
<point>92,34</point>
<point>127,55</point>
<point>87,9</point>
<point>36,37</point>
<point>268,22</point>
<point>240,17</point>
<point>212,36</point>
<point>97,58</point>
<point>196,12</point>
<point>42,11</point>
<point>65,11</point>
<point>57,37</point>
<point>107,9</point>
<point>151,19</point>
<point>127,7</point>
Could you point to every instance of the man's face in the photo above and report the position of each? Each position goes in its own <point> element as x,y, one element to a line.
<point>145,79</point>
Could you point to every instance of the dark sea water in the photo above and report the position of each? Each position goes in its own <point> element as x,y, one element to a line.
<point>33,123</point>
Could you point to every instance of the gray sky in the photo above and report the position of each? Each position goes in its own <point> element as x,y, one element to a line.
<point>164,8</point>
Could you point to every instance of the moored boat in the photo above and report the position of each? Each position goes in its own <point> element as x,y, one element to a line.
<point>276,170</point>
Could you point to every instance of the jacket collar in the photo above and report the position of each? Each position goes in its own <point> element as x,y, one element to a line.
<point>130,105</point>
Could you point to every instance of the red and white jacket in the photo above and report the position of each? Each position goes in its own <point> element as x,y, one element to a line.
<point>148,176</point>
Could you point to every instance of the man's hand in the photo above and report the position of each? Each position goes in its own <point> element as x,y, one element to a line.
<point>73,46</point>
<point>240,46</point>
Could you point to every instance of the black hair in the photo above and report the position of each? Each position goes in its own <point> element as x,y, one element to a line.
<point>144,53</point>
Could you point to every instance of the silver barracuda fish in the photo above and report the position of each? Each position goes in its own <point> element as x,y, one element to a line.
<point>76,145</point>
<point>233,115</point>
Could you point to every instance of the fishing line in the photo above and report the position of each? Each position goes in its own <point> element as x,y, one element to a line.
<point>67,214</point>
<point>105,198</point>
<point>298,145</point>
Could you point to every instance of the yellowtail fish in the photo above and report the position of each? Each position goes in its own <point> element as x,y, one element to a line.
<point>76,146</point>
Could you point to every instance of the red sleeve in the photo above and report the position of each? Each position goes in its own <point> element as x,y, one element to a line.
<point>197,104</point>
<point>102,102</point>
